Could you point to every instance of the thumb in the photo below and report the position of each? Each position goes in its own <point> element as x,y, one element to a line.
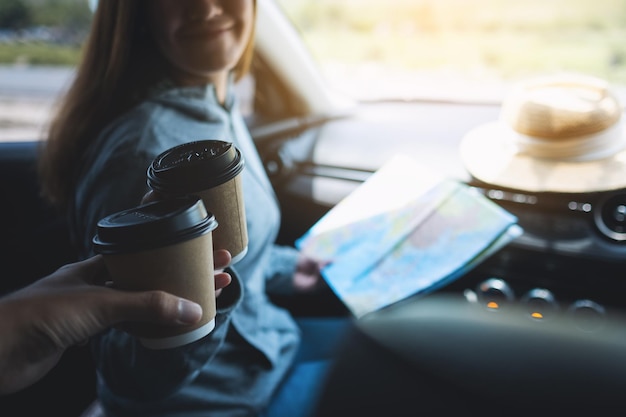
<point>156,307</point>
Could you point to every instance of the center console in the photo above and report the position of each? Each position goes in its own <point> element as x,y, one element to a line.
<point>571,258</point>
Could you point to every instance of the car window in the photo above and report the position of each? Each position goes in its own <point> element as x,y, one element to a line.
<point>458,49</point>
<point>39,46</point>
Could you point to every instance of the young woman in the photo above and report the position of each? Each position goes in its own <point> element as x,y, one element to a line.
<point>156,74</point>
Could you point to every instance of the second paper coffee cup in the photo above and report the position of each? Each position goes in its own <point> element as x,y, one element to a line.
<point>211,170</point>
<point>166,245</point>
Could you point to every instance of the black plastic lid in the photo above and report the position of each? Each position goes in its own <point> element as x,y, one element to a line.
<point>153,225</point>
<point>195,166</point>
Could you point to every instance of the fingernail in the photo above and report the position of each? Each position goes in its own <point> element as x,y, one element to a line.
<point>189,312</point>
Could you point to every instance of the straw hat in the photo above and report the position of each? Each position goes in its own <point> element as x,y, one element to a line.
<point>556,134</point>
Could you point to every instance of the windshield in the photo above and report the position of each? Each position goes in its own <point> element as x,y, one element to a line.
<point>458,49</point>
<point>454,50</point>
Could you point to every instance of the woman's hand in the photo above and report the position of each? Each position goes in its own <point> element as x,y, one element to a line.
<point>307,277</point>
<point>221,259</point>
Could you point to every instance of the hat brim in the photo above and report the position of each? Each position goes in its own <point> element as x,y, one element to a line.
<point>489,155</point>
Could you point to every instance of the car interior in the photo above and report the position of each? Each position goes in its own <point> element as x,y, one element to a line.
<point>558,289</point>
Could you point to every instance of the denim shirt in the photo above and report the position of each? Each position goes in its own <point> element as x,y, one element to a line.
<point>234,370</point>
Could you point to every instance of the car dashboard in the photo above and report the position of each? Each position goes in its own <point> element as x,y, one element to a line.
<point>570,259</point>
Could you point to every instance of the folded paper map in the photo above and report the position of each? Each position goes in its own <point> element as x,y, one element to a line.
<point>402,233</point>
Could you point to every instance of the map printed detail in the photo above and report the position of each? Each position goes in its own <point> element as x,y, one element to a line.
<point>402,233</point>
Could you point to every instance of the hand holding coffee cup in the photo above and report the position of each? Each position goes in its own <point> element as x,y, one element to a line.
<point>165,245</point>
<point>211,170</point>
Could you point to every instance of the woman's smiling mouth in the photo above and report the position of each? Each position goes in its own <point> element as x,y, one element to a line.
<point>205,29</point>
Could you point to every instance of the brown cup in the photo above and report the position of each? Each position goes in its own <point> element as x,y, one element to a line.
<point>211,170</point>
<point>165,245</point>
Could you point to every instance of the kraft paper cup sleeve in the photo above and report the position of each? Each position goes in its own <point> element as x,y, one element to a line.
<point>184,269</point>
<point>226,202</point>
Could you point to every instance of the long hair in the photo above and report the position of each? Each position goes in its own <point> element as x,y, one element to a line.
<point>120,62</point>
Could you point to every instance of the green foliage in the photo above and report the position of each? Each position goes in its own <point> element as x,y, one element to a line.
<point>39,54</point>
<point>74,14</point>
<point>66,22</point>
<point>14,14</point>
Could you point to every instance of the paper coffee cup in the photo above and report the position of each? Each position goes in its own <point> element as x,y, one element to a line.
<point>211,170</point>
<point>165,245</point>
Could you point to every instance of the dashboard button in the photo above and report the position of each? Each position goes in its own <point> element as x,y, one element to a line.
<point>588,315</point>
<point>610,217</point>
<point>494,293</point>
<point>540,303</point>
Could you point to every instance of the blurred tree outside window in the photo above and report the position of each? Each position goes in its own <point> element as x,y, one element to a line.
<point>14,14</point>
<point>42,32</point>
